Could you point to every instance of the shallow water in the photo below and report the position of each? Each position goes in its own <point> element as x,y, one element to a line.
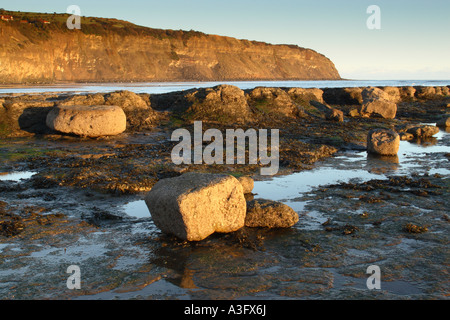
<point>166,87</point>
<point>343,168</point>
<point>356,167</point>
<point>16,176</point>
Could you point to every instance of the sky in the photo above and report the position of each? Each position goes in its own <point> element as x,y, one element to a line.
<point>412,42</point>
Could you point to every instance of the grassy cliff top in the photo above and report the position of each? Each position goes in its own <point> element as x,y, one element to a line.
<point>32,25</point>
<point>27,22</point>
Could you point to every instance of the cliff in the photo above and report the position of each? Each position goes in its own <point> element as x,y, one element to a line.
<point>39,48</point>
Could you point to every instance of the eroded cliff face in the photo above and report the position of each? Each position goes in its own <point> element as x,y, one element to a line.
<point>33,53</point>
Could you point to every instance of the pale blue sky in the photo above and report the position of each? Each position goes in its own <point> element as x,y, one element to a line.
<point>412,43</point>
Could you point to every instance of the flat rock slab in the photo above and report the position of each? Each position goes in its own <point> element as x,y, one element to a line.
<point>196,205</point>
<point>262,213</point>
<point>87,121</point>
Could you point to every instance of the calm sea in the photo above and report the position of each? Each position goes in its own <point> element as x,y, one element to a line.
<point>165,87</point>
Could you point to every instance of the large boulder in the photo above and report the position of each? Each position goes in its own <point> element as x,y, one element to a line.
<point>88,121</point>
<point>378,103</point>
<point>262,213</point>
<point>196,205</point>
<point>383,142</point>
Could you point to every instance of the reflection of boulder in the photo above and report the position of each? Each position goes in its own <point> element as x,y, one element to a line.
<point>383,159</point>
<point>426,141</point>
<point>383,142</point>
<point>378,164</point>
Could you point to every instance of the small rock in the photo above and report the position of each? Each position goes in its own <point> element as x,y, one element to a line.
<point>425,92</point>
<point>383,142</point>
<point>269,214</point>
<point>195,205</point>
<point>335,115</point>
<point>330,113</point>
<point>423,131</point>
<point>88,121</point>
<point>354,113</point>
<point>407,93</point>
<point>405,136</point>
<point>444,122</point>
<point>247,184</point>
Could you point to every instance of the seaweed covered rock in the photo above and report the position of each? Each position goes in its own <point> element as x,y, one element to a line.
<point>330,113</point>
<point>423,131</point>
<point>306,94</point>
<point>273,101</point>
<point>444,122</point>
<point>139,113</point>
<point>224,103</point>
<point>195,205</point>
<point>264,213</point>
<point>343,96</point>
<point>87,121</point>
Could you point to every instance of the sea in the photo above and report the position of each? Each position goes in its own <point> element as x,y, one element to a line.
<point>167,87</point>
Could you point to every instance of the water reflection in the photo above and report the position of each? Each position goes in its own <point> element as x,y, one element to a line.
<point>378,164</point>
<point>137,209</point>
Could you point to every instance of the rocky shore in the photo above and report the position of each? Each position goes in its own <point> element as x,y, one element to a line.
<point>81,175</point>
